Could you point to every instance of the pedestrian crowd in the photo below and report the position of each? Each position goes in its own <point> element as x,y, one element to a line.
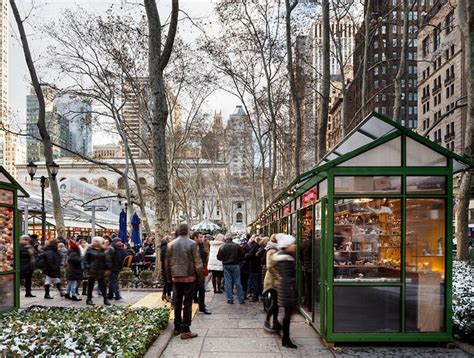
<point>84,264</point>
<point>254,266</point>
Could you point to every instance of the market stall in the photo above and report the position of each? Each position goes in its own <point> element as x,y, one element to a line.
<point>9,241</point>
<point>372,222</point>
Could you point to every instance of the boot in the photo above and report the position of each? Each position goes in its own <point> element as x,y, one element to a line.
<point>89,302</point>
<point>106,302</point>
<point>288,343</point>
<point>276,325</point>
<point>74,298</point>
<point>67,296</point>
<point>46,292</point>
<point>29,294</point>
<point>58,286</point>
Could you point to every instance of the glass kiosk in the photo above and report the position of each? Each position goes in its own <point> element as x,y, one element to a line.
<point>373,218</point>
<point>9,241</point>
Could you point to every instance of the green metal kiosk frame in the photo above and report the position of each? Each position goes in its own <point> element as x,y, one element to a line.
<point>378,212</point>
<point>9,241</point>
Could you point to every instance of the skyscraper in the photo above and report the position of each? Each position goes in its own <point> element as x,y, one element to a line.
<point>7,146</point>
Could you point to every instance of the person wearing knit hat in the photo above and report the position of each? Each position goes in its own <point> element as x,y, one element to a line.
<point>97,265</point>
<point>285,264</point>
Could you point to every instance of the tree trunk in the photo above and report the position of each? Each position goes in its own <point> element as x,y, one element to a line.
<point>157,61</point>
<point>466,23</point>
<point>42,126</point>
<point>367,8</point>
<point>295,95</point>
<point>401,67</point>
<point>325,82</point>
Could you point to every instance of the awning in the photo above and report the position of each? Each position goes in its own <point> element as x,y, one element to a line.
<point>108,226</point>
<point>71,223</point>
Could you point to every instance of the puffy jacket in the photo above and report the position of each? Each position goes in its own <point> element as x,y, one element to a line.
<point>51,262</point>
<point>116,258</point>
<point>183,259</point>
<point>74,265</point>
<point>27,259</point>
<point>96,262</point>
<point>214,264</point>
<point>230,254</point>
<point>271,276</point>
<point>286,287</point>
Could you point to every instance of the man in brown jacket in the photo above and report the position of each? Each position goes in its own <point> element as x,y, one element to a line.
<point>184,268</point>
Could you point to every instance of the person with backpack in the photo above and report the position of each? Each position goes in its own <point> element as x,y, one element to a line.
<point>117,256</point>
<point>50,263</point>
<point>73,270</point>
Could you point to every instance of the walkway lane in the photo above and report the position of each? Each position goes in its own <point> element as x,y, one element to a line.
<point>236,331</point>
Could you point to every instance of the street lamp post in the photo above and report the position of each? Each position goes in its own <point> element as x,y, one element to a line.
<point>53,169</point>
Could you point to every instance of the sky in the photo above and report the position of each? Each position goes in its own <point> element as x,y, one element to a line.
<point>45,11</point>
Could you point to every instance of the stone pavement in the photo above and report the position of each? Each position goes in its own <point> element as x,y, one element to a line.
<point>236,331</point>
<point>129,298</point>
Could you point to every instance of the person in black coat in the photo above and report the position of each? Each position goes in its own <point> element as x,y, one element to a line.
<point>27,263</point>
<point>255,270</point>
<point>73,270</point>
<point>167,287</point>
<point>287,297</point>
<point>306,255</point>
<point>97,265</point>
<point>50,262</point>
<point>117,256</point>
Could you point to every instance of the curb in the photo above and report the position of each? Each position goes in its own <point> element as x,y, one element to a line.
<point>160,343</point>
<point>468,348</point>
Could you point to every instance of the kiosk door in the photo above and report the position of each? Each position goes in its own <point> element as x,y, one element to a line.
<point>317,265</point>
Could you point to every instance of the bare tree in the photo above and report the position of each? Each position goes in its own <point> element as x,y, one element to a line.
<point>465,14</point>
<point>157,61</point>
<point>42,126</point>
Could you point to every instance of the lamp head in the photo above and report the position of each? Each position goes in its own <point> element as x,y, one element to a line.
<point>31,168</point>
<point>53,169</point>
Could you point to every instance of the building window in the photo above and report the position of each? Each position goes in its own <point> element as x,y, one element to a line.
<point>436,38</point>
<point>239,205</point>
<point>239,218</point>
<point>449,22</point>
<point>426,46</point>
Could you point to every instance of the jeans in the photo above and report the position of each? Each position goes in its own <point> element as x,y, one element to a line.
<point>71,288</point>
<point>183,300</point>
<point>232,276</point>
<point>256,280</point>
<point>114,289</point>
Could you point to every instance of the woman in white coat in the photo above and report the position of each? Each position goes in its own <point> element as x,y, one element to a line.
<point>214,265</point>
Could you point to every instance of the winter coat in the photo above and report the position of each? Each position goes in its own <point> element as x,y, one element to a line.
<point>116,257</point>
<point>306,255</point>
<point>27,259</point>
<point>50,262</point>
<point>286,287</point>
<point>230,254</point>
<point>271,276</point>
<point>252,259</point>
<point>96,262</point>
<point>214,264</point>
<point>204,255</point>
<point>163,246</point>
<point>63,253</point>
<point>183,260</point>
<point>74,265</point>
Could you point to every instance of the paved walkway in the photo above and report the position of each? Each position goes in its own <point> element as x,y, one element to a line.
<point>236,331</point>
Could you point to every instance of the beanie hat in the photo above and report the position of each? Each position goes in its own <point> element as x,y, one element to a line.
<point>285,240</point>
<point>99,239</point>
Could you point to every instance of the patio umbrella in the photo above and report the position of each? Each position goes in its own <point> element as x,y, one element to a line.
<point>205,225</point>
<point>136,240</point>
<point>122,234</point>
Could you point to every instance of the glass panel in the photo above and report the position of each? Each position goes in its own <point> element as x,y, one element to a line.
<point>385,155</point>
<point>284,225</point>
<point>426,185</point>
<point>377,128</point>
<point>368,185</point>
<point>419,155</point>
<point>316,265</point>
<point>366,309</point>
<point>6,242</point>
<point>425,268</point>
<point>355,141</point>
<point>306,258</point>
<point>6,196</point>
<point>367,240</point>
<point>7,291</point>
<point>323,188</point>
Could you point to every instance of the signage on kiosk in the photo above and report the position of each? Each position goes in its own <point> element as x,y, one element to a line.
<point>310,196</point>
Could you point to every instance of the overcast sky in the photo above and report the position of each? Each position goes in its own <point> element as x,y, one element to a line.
<point>45,11</point>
